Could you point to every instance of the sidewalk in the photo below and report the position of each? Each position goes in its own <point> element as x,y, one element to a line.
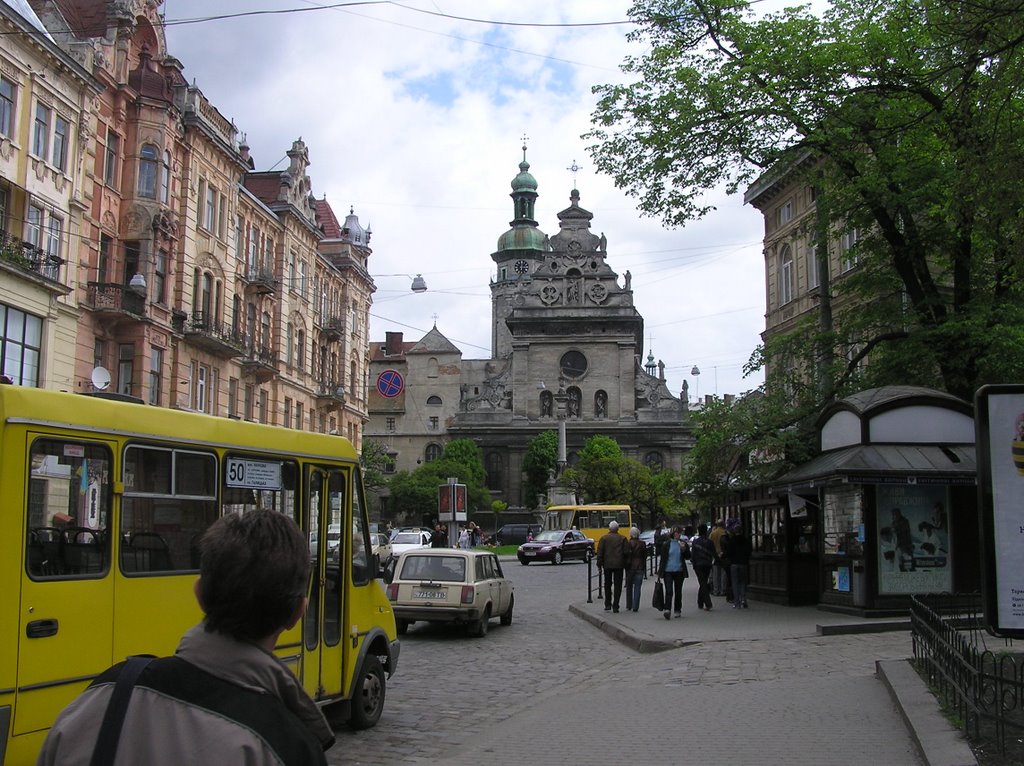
<point>646,631</point>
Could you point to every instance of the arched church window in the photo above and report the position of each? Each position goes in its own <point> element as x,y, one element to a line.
<point>600,405</point>
<point>434,401</point>
<point>432,453</point>
<point>546,404</point>
<point>495,471</point>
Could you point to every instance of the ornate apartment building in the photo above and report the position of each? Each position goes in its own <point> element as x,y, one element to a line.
<point>150,258</point>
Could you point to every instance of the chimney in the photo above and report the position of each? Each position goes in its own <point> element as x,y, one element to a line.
<point>393,344</point>
<point>729,398</point>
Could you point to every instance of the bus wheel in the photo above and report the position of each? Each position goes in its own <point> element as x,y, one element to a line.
<point>368,701</point>
<point>402,626</point>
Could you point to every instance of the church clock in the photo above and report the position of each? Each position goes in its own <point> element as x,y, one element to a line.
<point>521,267</point>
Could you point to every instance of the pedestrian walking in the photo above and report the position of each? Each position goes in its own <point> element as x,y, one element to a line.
<point>702,556</point>
<point>738,551</point>
<point>464,539</point>
<point>636,564</point>
<point>224,697</point>
<point>672,570</point>
<point>720,572</point>
<point>611,558</point>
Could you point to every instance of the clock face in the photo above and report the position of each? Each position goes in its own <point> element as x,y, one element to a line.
<point>521,267</point>
<point>573,364</point>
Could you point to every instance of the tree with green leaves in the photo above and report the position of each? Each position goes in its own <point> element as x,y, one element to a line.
<point>540,460</point>
<point>595,477</point>
<point>414,493</point>
<point>374,459</point>
<point>907,118</point>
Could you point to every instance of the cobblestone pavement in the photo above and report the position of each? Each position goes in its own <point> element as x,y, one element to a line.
<point>551,688</point>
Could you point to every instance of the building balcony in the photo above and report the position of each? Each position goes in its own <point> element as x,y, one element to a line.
<point>260,281</point>
<point>259,362</point>
<point>330,395</point>
<point>333,329</point>
<point>216,337</point>
<point>29,259</point>
<point>115,300</point>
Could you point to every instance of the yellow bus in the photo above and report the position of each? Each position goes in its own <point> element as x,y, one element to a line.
<point>103,504</point>
<point>592,520</point>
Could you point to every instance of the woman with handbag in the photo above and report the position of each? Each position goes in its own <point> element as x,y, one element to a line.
<point>672,570</point>
<point>636,558</point>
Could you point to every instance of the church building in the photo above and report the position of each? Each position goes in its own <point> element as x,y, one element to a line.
<point>566,342</point>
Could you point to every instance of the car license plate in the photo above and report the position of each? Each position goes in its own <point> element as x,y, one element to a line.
<point>431,594</point>
<point>529,553</point>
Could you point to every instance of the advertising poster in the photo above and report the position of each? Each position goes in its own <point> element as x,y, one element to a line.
<point>1000,412</point>
<point>913,539</point>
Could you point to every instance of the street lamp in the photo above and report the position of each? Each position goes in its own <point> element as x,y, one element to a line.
<point>419,284</point>
<point>695,372</point>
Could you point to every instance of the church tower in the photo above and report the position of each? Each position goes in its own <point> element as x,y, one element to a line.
<point>520,252</point>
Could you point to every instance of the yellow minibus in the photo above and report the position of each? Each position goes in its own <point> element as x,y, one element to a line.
<point>592,519</point>
<point>102,503</point>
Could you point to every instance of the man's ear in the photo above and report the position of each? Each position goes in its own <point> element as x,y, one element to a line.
<point>198,593</point>
<point>300,610</point>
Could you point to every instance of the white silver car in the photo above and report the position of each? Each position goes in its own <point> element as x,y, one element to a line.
<point>407,541</point>
<point>450,585</point>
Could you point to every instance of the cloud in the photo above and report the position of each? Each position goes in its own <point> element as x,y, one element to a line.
<point>417,121</point>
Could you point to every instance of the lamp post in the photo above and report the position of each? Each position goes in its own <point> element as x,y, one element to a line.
<point>695,372</point>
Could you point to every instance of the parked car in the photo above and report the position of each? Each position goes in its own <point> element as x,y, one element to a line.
<point>381,546</point>
<point>514,534</point>
<point>450,585</point>
<point>407,541</point>
<point>647,538</point>
<point>556,546</point>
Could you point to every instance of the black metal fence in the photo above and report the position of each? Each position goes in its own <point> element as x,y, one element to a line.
<point>979,679</point>
<point>595,577</point>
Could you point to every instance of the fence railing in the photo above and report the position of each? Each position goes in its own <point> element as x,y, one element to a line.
<point>595,575</point>
<point>979,679</point>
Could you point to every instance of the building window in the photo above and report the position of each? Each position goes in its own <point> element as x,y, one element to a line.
<point>303,279</point>
<point>298,416</point>
<point>813,268</point>
<point>287,412</point>
<point>289,342</point>
<point>156,364</point>
<point>159,276</point>
<point>264,401</point>
<point>222,217</point>
<point>202,389</point>
<point>432,453</point>
<point>148,159</point>
<point>41,132</point>
<point>254,244</point>
<point>103,267</point>
<point>389,424</point>
<point>54,232</point>
<point>61,133</point>
<point>433,423</point>
<point>300,349</point>
<point>785,275</point>
<point>232,397</point>
<point>34,227</point>
<point>353,379</point>
<point>6,106</point>
<point>495,471</point>
<point>847,245</point>
<point>165,179</point>
<point>247,401</point>
<point>21,339</point>
<point>125,368</point>
<point>433,401</point>
<point>113,151</point>
<point>785,213</point>
<point>210,210</point>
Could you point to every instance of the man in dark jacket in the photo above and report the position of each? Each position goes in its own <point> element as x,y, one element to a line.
<point>737,549</point>
<point>611,557</point>
<point>702,556</point>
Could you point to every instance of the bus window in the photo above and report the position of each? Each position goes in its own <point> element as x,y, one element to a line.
<point>68,510</point>
<point>170,498</point>
<point>254,483</point>
<point>361,551</point>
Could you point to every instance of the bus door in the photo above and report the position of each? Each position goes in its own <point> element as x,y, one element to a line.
<point>323,626</point>
<point>66,608</point>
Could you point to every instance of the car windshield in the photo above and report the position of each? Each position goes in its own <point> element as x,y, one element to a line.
<point>548,536</point>
<point>408,537</point>
<point>437,568</point>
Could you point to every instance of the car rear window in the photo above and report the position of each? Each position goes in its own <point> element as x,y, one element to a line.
<point>408,537</point>
<point>437,568</point>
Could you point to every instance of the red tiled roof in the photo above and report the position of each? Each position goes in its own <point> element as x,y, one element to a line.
<point>88,18</point>
<point>327,219</point>
<point>266,187</point>
<point>377,351</point>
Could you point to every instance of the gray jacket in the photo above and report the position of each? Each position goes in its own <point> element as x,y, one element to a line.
<point>216,701</point>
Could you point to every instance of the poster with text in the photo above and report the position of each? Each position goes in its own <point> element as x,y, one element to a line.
<point>1001,476</point>
<point>913,539</point>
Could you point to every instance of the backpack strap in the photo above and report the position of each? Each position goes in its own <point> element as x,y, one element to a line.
<point>113,719</point>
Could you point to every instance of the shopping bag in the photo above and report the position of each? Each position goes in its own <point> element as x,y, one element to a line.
<point>658,600</point>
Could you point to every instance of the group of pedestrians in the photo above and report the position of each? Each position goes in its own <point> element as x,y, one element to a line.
<point>720,559</point>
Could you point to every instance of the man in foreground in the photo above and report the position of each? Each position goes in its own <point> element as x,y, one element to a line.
<point>223,697</point>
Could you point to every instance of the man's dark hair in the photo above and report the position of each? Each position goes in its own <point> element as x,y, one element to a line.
<point>254,571</point>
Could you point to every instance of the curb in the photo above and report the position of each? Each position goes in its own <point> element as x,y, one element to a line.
<point>642,645</point>
<point>938,742</point>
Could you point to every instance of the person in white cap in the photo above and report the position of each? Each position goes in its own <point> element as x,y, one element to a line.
<point>611,557</point>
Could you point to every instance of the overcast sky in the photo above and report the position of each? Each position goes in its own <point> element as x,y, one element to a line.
<point>416,119</point>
